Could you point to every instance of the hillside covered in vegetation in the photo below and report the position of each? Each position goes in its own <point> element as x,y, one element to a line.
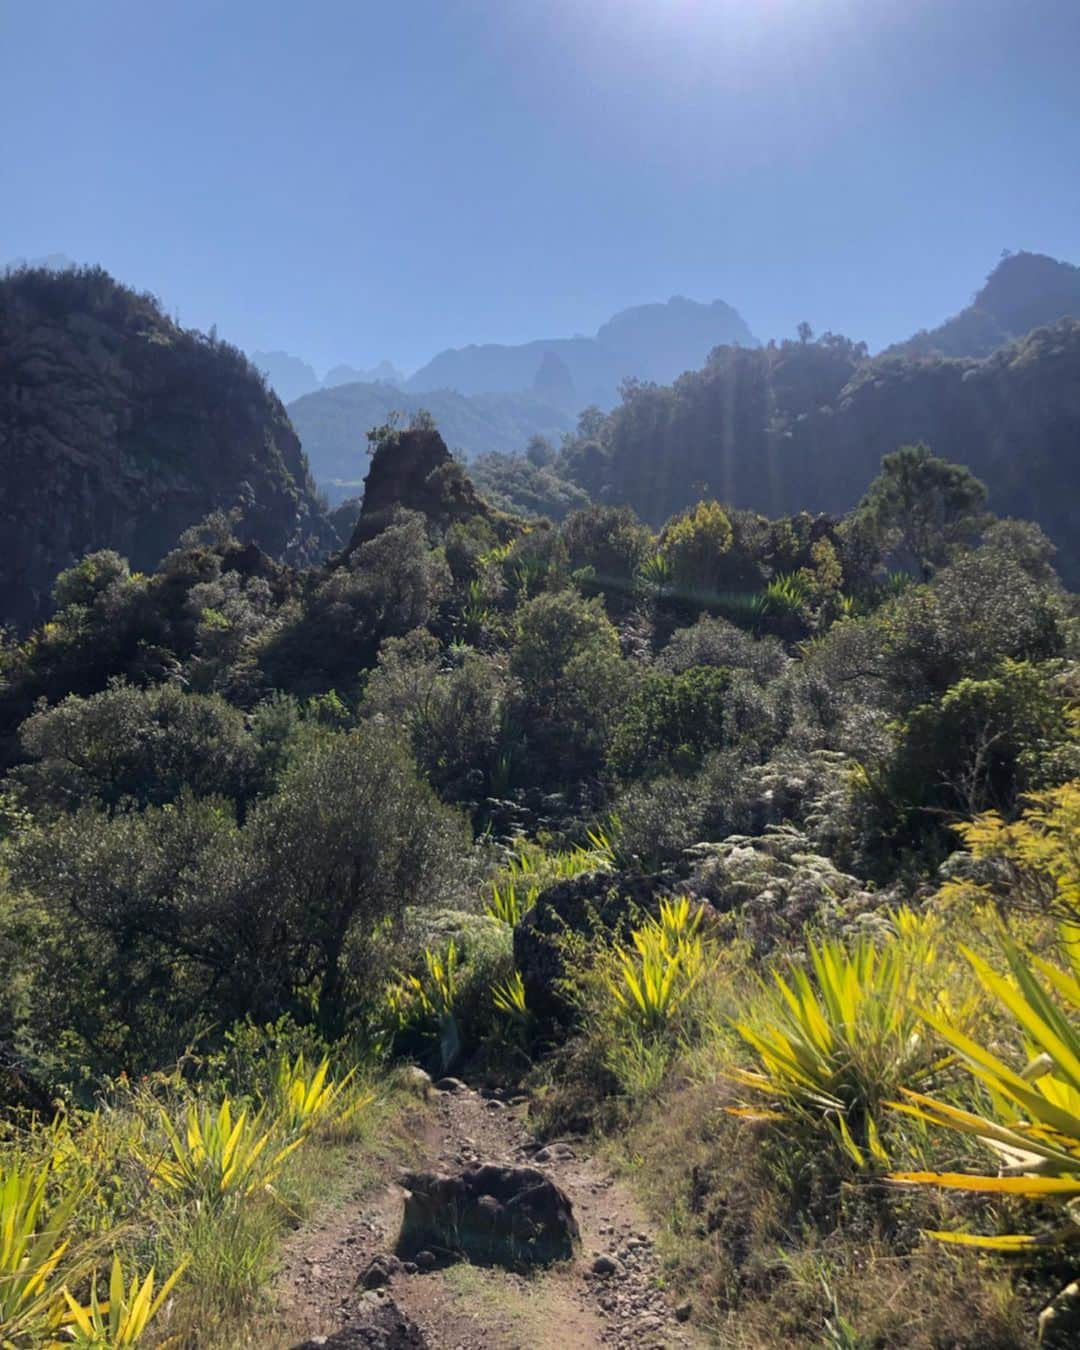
<point>745,844</point>
<point>119,429</point>
<point>802,426</point>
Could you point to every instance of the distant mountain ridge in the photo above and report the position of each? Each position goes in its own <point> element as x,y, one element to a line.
<point>333,426</point>
<point>655,342</point>
<point>291,377</point>
<point>1024,291</point>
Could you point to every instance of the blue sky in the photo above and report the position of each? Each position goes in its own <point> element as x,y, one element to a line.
<point>358,180</point>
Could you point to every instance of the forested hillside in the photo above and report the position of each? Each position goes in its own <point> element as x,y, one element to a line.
<point>119,429</point>
<point>565,809</point>
<point>802,425</point>
<point>1024,291</point>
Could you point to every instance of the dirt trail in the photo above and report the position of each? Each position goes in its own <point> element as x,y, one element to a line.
<point>462,1307</point>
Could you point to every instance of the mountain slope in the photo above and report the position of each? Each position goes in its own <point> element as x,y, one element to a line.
<point>649,342</point>
<point>803,426</point>
<point>333,426</point>
<point>119,429</point>
<point>1024,291</point>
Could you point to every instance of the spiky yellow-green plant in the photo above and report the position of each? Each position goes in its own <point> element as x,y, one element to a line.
<point>306,1100</point>
<point>217,1158</point>
<point>679,921</point>
<point>1034,1127</point>
<point>652,979</point>
<point>834,1043</point>
<point>510,900</point>
<point>520,881</point>
<point>33,1243</point>
<point>123,1319</point>
<point>509,997</point>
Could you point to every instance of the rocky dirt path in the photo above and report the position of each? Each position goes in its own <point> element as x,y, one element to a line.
<point>607,1296</point>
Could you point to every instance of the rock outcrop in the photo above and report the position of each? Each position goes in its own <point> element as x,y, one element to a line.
<point>119,429</point>
<point>590,904</point>
<point>413,471</point>
<point>488,1214</point>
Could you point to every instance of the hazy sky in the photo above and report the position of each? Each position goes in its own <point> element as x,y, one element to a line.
<point>353,180</point>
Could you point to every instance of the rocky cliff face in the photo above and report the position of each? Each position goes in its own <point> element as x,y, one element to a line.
<point>119,429</point>
<point>413,471</point>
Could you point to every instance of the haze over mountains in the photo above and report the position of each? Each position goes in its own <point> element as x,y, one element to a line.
<point>291,377</point>
<point>119,428</point>
<point>496,397</point>
<point>1025,291</point>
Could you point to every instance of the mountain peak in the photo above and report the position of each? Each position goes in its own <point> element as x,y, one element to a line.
<point>656,341</point>
<point>1024,291</point>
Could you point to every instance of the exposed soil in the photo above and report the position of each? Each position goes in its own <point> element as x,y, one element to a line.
<point>462,1307</point>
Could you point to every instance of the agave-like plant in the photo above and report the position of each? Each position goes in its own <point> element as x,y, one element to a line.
<point>510,901</point>
<point>656,570</point>
<point>652,979</point>
<point>786,593</point>
<point>121,1320</point>
<point>33,1243</point>
<point>305,1100</point>
<point>217,1159</point>
<point>509,997</point>
<point>1035,1125</point>
<point>679,921</point>
<point>832,1048</point>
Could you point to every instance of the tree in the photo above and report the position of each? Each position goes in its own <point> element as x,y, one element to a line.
<point>672,722</point>
<point>453,711</point>
<point>350,839</point>
<point>694,543</point>
<point>130,746</point>
<point>978,747</point>
<point>574,683</point>
<point>160,922</point>
<point>924,509</point>
<point>611,542</point>
<point>540,452</point>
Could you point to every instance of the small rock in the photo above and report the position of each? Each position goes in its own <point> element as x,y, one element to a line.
<point>416,1080</point>
<point>451,1085</point>
<point>379,1271</point>
<point>605,1265</point>
<point>556,1153</point>
<point>683,1311</point>
<point>425,1260</point>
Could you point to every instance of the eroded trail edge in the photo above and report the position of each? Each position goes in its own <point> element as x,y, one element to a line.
<point>608,1295</point>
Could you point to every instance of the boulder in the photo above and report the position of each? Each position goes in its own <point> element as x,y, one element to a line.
<point>594,903</point>
<point>379,1324</point>
<point>489,1215</point>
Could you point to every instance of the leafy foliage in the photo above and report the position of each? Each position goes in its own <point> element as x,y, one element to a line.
<point>1034,1126</point>
<point>836,1046</point>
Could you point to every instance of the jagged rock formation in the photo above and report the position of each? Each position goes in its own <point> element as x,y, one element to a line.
<point>647,342</point>
<point>414,471</point>
<point>332,423</point>
<point>119,429</point>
